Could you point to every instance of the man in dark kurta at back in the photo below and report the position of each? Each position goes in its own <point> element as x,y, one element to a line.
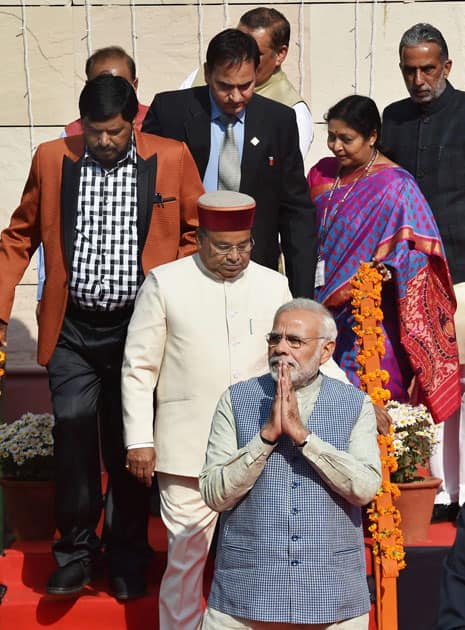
<point>425,134</point>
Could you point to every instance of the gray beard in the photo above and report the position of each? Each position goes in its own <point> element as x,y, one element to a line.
<point>300,377</point>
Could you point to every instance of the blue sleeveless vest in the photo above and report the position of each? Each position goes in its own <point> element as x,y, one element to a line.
<point>292,550</point>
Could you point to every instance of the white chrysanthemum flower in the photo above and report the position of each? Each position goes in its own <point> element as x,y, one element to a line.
<point>25,439</point>
<point>414,439</point>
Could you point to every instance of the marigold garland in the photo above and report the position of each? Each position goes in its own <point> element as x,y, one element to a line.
<point>375,375</point>
<point>366,302</point>
<point>387,539</point>
<point>388,543</point>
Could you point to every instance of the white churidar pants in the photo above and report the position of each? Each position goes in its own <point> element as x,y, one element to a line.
<point>191,525</point>
<point>216,620</point>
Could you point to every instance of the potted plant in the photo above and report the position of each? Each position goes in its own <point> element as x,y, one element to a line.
<point>414,441</point>
<point>26,464</point>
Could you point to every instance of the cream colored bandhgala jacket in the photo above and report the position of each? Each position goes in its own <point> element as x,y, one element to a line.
<point>191,336</point>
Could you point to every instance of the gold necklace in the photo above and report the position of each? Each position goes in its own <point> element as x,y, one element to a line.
<point>363,173</point>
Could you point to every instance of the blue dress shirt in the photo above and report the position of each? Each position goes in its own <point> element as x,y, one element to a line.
<point>217,129</point>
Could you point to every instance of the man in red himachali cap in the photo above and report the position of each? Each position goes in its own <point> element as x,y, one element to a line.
<point>224,237</point>
<point>198,327</point>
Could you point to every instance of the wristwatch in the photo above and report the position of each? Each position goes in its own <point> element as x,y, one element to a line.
<point>269,442</point>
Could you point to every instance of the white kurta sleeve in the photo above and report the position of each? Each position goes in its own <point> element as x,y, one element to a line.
<point>305,126</point>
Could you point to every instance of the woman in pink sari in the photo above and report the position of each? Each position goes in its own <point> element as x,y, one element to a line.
<point>370,209</point>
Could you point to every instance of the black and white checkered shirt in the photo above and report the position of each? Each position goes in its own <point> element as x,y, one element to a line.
<point>105,274</point>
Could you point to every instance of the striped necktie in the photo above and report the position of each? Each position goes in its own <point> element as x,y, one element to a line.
<point>229,164</point>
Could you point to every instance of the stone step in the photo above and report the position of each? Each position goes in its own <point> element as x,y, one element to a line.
<point>24,608</point>
<point>24,570</point>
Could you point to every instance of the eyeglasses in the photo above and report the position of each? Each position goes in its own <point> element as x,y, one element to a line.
<point>293,341</point>
<point>223,249</point>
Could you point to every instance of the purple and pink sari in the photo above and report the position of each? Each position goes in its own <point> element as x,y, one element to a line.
<point>386,216</point>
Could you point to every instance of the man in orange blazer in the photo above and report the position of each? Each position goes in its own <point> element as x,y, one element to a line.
<point>109,60</point>
<point>108,205</point>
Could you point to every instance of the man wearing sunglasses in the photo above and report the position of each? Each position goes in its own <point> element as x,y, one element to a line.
<point>292,455</point>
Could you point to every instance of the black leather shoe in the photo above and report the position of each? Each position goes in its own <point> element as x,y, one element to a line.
<point>70,579</point>
<point>128,586</point>
<point>443,513</point>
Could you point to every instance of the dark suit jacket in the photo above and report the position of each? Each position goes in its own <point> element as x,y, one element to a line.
<point>430,144</point>
<point>271,172</point>
<point>48,211</point>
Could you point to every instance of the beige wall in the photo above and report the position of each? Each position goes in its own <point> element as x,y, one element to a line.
<point>170,38</point>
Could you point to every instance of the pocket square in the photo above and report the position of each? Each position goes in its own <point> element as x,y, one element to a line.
<point>157,198</point>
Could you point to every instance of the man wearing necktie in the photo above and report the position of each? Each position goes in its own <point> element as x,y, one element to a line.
<point>255,152</point>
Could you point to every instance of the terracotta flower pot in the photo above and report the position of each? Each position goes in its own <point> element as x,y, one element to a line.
<point>415,504</point>
<point>30,508</point>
